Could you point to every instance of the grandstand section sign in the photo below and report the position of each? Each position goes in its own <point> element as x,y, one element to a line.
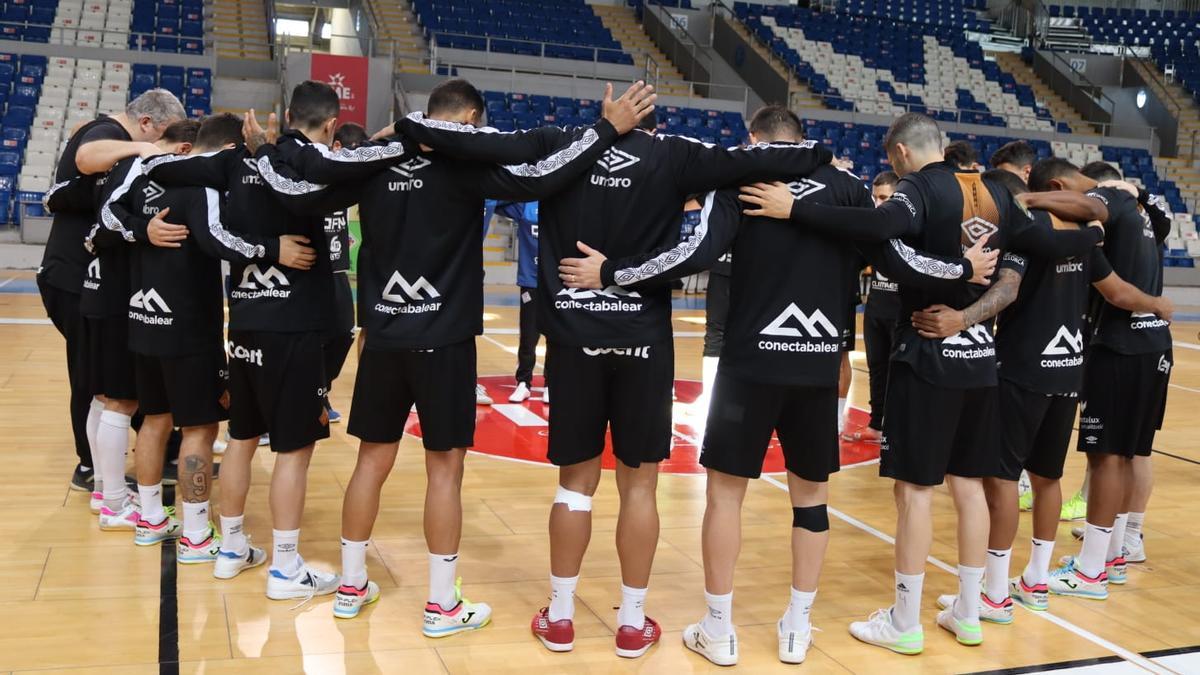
<point>349,76</point>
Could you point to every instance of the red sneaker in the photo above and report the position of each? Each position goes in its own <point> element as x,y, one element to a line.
<point>633,642</point>
<point>862,435</point>
<point>557,636</point>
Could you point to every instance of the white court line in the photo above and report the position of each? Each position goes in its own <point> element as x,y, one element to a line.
<point>1180,386</point>
<point>7,281</point>
<point>1132,657</point>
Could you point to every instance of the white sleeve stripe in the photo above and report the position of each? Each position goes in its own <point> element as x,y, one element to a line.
<point>925,266</point>
<point>443,125</point>
<point>50,193</point>
<point>106,215</point>
<point>667,260</point>
<point>556,160</point>
<point>225,237</point>
<point>159,160</point>
<point>282,184</point>
<point>365,153</point>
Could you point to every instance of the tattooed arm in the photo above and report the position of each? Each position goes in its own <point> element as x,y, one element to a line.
<point>940,321</point>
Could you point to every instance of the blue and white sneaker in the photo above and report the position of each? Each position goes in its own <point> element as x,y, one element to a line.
<point>1068,580</point>
<point>305,584</point>
<point>229,564</point>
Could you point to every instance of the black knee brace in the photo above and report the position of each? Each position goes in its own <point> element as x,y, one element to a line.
<point>811,518</point>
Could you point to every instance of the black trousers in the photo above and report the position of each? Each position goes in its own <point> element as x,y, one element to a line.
<point>879,335</point>
<point>527,346</point>
<point>63,309</point>
<point>716,310</point>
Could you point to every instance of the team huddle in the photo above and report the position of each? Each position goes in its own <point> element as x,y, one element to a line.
<point>1016,296</point>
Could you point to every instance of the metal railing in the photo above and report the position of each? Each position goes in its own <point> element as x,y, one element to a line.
<point>1075,88</point>
<point>502,45</point>
<point>720,9</point>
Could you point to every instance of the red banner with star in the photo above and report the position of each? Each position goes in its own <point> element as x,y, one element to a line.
<point>348,75</point>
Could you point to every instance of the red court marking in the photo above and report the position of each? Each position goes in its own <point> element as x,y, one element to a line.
<point>496,434</point>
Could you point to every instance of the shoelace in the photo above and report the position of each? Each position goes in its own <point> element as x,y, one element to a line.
<point>312,587</point>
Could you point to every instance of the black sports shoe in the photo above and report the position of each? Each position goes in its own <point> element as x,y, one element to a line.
<point>83,478</point>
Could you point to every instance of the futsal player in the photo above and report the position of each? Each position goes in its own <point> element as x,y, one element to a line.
<point>611,352</point>
<point>940,420</point>
<point>1016,157</point>
<point>61,274</point>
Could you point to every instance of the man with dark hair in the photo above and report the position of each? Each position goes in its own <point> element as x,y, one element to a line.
<point>778,372</point>
<point>1016,157</point>
<point>1101,171</point>
<point>879,325</point>
<point>610,352</point>
<point>104,305</point>
<point>337,239</point>
<point>176,321</point>
<point>421,302</point>
<point>61,274</point>
<point>280,308</point>
<point>962,155</point>
<point>1125,376</point>
<point>940,420</point>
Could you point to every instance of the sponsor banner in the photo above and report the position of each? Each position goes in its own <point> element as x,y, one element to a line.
<point>348,75</point>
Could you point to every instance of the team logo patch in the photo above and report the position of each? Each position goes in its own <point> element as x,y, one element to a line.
<point>610,292</point>
<point>254,278</point>
<point>815,325</point>
<point>149,301</point>
<point>398,289</point>
<point>407,169</point>
<point>152,191</point>
<point>805,187</point>
<point>1065,342</point>
<point>617,160</point>
<point>977,228</point>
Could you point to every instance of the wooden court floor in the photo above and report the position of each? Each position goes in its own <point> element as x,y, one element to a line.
<point>88,601</point>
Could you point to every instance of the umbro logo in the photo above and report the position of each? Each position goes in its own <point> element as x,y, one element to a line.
<point>1064,343</point>
<point>407,169</point>
<point>252,163</point>
<point>399,291</point>
<point>815,325</point>
<point>805,187</point>
<point>977,229</point>
<point>254,278</point>
<point>149,301</point>
<point>610,292</point>
<point>93,269</point>
<point>152,191</point>
<point>617,160</point>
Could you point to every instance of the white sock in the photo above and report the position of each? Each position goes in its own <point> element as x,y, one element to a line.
<point>1133,528</point>
<point>195,521</point>
<point>1037,571</point>
<point>95,409</point>
<point>796,616</point>
<point>285,553</point>
<point>562,597</point>
<point>151,498</point>
<point>354,563</point>
<point>1095,545</point>
<point>997,574</point>
<point>1117,541</point>
<point>966,607</point>
<point>841,422</point>
<point>906,613</point>
<point>112,439</point>
<point>633,603</point>
<point>233,537</point>
<point>719,619</point>
<point>442,570</point>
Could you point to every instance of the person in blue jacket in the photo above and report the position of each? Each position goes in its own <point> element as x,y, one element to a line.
<point>525,216</point>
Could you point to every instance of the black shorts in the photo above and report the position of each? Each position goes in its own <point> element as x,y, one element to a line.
<point>194,389</point>
<point>1123,401</point>
<point>930,431</point>
<point>716,313</point>
<point>277,386</point>
<point>110,369</point>
<point>1035,430</point>
<point>343,305</point>
<point>850,332</point>
<point>628,388</point>
<point>743,415</point>
<point>441,382</point>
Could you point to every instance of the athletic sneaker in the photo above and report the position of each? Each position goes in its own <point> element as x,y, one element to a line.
<point>83,478</point>
<point>557,636</point>
<point>520,394</point>
<point>992,612</point>
<point>1114,570</point>
<point>1025,501</point>
<point>1078,533</point>
<point>464,616</point>
<point>481,396</point>
<point>264,440</point>
<point>95,502</point>
<point>1136,553</point>
<point>722,651</point>
<point>879,630</point>
<point>125,520</point>
<point>1074,508</point>
<point>149,534</point>
<point>190,552</point>
<point>229,564</point>
<point>334,416</point>
<point>865,434</point>
<point>967,633</point>
<point>793,645</point>
<point>220,446</point>
<point>1067,580</point>
<point>545,395</point>
<point>349,601</point>
<point>305,583</point>
<point>1036,597</point>
<point>632,642</point>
